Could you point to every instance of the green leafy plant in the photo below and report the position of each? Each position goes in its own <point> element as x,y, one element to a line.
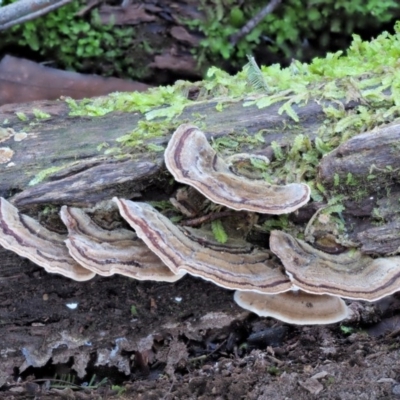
<point>78,43</point>
<point>275,371</point>
<point>285,29</point>
<point>134,312</point>
<point>68,381</point>
<point>219,231</point>
<point>346,329</point>
<point>85,43</point>
<point>118,389</point>
<point>276,222</point>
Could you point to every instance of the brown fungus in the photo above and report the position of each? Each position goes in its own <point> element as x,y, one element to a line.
<point>351,275</point>
<point>295,307</point>
<point>191,160</point>
<point>118,251</point>
<point>251,270</point>
<point>26,237</point>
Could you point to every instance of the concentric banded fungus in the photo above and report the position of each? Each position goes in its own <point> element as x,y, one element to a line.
<point>350,275</point>
<point>111,252</point>
<point>29,239</point>
<point>254,270</point>
<point>295,307</point>
<point>191,160</point>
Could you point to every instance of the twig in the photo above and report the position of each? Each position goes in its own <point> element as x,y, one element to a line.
<point>307,234</point>
<point>169,391</point>
<point>6,278</point>
<point>206,218</point>
<point>26,10</point>
<point>254,21</point>
<point>204,356</point>
<point>89,6</point>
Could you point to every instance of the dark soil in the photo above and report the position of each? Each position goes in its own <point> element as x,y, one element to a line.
<point>187,340</point>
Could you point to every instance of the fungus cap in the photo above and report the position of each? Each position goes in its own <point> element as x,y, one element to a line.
<point>250,270</point>
<point>26,237</point>
<point>295,307</point>
<point>191,160</point>
<point>351,275</point>
<point>118,251</point>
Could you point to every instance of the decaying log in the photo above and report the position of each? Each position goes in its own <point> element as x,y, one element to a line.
<point>74,140</point>
<point>89,177</point>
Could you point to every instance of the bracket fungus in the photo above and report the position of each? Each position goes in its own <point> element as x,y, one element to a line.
<point>191,160</point>
<point>159,250</point>
<point>295,307</point>
<point>118,251</point>
<point>350,275</point>
<point>26,237</point>
<point>252,270</point>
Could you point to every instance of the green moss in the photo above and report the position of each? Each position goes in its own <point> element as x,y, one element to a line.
<point>164,101</point>
<point>40,115</point>
<point>141,138</point>
<point>49,209</point>
<point>367,73</point>
<point>42,175</point>
<point>232,143</point>
<point>347,330</point>
<point>155,148</point>
<point>280,222</point>
<point>274,371</point>
<point>21,116</point>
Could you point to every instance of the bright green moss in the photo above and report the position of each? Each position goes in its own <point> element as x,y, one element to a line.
<point>41,176</point>
<point>21,116</point>
<point>367,73</point>
<point>171,100</point>
<point>40,115</point>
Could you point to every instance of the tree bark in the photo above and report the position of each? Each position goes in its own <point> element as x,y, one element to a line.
<point>67,140</point>
<point>371,159</point>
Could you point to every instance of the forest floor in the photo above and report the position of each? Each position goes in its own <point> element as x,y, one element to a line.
<point>187,340</point>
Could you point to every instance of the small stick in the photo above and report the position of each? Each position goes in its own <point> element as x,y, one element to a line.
<point>26,10</point>
<point>206,218</point>
<point>254,22</point>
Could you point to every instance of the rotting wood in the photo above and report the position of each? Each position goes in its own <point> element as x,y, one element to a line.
<point>93,177</point>
<point>66,140</point>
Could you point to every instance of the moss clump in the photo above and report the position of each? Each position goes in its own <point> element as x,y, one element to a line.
<point>367,74</point>
<point>42,175</point>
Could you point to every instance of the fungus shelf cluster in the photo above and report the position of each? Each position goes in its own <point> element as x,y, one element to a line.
<point>305,286</point>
